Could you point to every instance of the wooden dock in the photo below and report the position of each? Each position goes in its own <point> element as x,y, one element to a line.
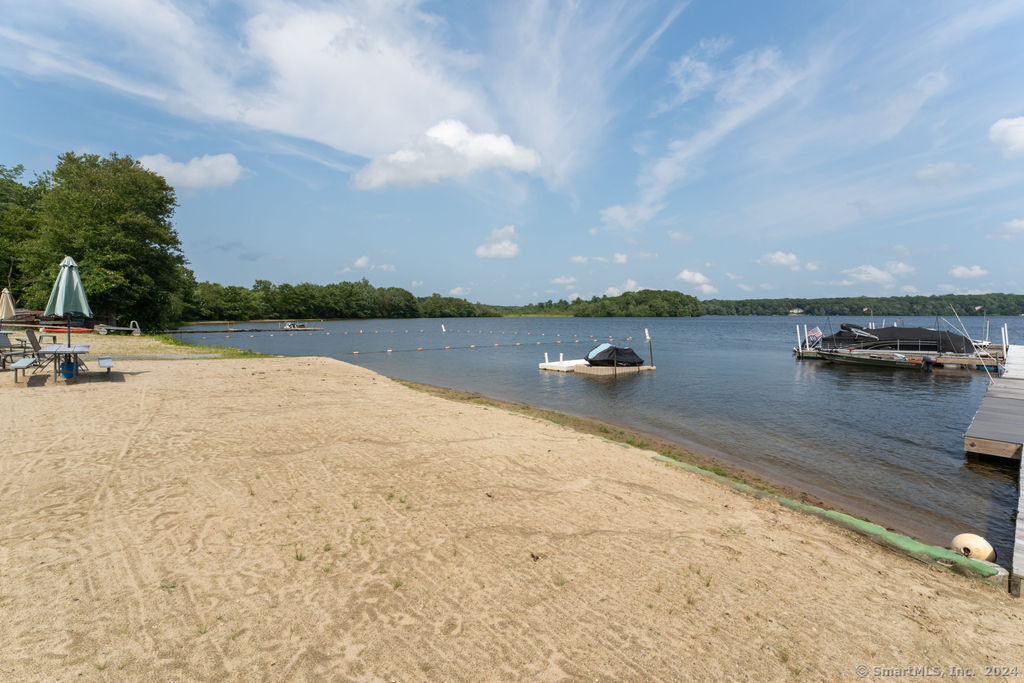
<point>998,430</point>
<point>998,426</point>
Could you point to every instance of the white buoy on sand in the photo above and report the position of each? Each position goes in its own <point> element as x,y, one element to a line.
<point>974,547</point>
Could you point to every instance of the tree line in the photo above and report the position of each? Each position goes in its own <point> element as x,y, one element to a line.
<point>114,217</point>
<point>647,303</point>
<point>939,304</point>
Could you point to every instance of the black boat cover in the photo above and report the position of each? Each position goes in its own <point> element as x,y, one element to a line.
<point>897,338</point>
<point>606,354</point>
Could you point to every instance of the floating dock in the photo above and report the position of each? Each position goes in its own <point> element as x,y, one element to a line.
<point>579,366</point>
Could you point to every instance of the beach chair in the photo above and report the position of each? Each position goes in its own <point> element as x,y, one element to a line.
<point>42,359</point>
<point>9,351</point>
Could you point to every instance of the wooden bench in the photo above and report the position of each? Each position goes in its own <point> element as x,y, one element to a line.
<point>105,362</point>
<point>22,364</point>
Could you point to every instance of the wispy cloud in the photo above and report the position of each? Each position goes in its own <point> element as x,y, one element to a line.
<point>757,81</point>
<point>554,67</point>
<point>563,280</point>
<point>942,172</point>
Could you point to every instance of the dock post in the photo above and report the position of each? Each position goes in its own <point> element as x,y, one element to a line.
<point>561,357</point>
<point>546,357</point>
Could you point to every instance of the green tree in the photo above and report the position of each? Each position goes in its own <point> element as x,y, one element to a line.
<point>17,222</point>
<point>114,217</point>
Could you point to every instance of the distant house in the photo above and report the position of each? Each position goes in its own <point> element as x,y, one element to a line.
<point>796,311</point>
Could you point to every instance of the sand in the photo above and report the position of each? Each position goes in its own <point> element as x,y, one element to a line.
<point>303,518</point>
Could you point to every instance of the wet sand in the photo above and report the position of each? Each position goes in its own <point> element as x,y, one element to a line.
<point>306,518</point>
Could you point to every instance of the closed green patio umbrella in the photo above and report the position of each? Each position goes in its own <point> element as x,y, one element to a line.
<point>68,296</point>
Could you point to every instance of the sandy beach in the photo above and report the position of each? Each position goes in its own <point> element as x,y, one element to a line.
<point>303,518</point>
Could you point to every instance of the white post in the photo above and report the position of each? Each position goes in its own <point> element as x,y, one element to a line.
<point>545,356</point>
<point>799,343</point>
<point>561,357</point>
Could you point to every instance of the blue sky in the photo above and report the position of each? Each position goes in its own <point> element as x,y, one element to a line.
<point>524,151</point>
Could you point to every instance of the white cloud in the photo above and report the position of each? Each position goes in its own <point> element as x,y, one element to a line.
<point>707,288</point>
<point>968,271</point>
<point>458,291</point>
<point>628,217</point>
<point>448,150</point>
<point>899,269</point>
<point>870,273</point>
<point>358,77</point>
<point>417,283</point>
<point>387,267</point>
<point>500,244</point>
<point>619,259</point>
<point>874,275</point>
<point>361,262</point>
<point>693,277</point>
<point>206,171</point>
<point>627,286</point>
<point>574,296</point>
<point>909,289</point>
<point>780,258</point>
<point>1009,134</point>
<point>812,265</point>
<point>583,260</point>
<point>745,288</point>
<point>679,238</point>
<point>1009,230</point>
<point>563,280</point>
<point>733,276</point>
<point>942,172</point>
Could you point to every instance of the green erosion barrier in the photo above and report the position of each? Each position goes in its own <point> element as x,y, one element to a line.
<point>921,551</point>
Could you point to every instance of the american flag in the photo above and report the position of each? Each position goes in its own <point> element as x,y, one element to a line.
<point>978,308</point>
<point>866,309</point>
<point>814,334</point>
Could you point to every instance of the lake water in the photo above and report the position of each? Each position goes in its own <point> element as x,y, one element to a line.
<point>882,443</point>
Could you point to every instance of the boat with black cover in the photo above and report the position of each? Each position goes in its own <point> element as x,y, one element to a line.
<point>613,356</point>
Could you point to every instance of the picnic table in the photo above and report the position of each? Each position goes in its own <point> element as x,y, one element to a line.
<point>62,353</point>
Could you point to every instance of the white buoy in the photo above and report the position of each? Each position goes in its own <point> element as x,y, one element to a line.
<point>974,547</point>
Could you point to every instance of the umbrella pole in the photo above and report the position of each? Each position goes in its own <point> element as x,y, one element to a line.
<point>69,330</point>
